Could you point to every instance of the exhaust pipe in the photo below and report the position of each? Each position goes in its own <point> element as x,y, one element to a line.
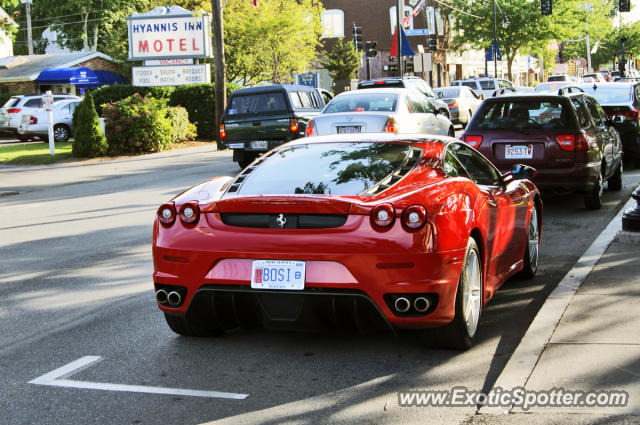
<point>402,304</point>
<point>174,298</point>
<point>421,304</point>
<point>161,296</point>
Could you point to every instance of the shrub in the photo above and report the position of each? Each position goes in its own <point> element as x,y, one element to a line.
<point>89,141</point>
<point>182,129</point>
<point>137,125</point>
<point>116,92</point>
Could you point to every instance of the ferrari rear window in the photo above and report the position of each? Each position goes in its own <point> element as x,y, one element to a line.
<point>330,169</point>
<point>524,114</point>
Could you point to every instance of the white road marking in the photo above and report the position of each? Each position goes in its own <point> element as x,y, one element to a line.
<point>56,379</point>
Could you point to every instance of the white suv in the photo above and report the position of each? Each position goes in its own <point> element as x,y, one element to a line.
<point>484,86</point>
<point>16,106</point>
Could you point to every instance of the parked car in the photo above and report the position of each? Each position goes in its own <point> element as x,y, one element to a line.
<point>597,76</point>
<point>409,83</point>
<point>258,119</point>
<point>566,137</point>
<point>16,106</point>
<point>392,110</point>
<point>462,102</point>
<point>484,85</point>
<point>564,77</point>
<point>352,231</point>
<point>37,124</point>
<point>553,86</point>
<point>621,99</point>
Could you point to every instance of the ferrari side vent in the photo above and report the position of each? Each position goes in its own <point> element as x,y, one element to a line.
<point>409,162</point>
<point>235,186</point>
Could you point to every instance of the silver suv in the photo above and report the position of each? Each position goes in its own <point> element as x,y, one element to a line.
<point>484,86</point>
<point>12,111</point>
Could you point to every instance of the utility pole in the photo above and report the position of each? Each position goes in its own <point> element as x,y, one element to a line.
<point>588,7</point>
<point>495,42</point>
<point>27,4</point>
<point>219,77</point>
<point>399,16</point>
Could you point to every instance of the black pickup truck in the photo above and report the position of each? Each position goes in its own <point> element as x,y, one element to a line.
<point>258,119</point>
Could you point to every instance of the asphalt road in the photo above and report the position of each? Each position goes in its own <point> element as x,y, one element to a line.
<point>75,276</point>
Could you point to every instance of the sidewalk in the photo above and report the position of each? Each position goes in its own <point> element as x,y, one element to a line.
<point>586,337</point>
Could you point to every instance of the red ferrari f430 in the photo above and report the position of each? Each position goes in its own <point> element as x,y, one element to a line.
<point>348,231</point>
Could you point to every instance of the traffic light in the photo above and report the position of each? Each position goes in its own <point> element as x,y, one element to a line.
<point>370,49</point>
<point>357,37</point>
<point>624,5</point>
<point>546,7</point>
<point>433,42</point>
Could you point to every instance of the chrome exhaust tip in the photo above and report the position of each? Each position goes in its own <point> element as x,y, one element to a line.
<point>421,304</point>
<point>402,304</point>
<point>174,298</point>
<point>161,296</point>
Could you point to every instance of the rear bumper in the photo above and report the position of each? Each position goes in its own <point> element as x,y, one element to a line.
<point>577,178</point>
<point>387,265</point>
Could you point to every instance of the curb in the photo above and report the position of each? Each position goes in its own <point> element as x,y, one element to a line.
<point>524,359</point>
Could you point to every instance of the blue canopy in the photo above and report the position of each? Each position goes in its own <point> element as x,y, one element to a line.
<point>81,77</point>
<point>106,78</point>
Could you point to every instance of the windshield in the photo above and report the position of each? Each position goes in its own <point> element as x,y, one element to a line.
<point>449,92</point>
<point>487,85</point>
<point>253,104</point>
<point>328,168</point>
<point>385,102</point>
<point>523,114</point>
<point>605,95</point>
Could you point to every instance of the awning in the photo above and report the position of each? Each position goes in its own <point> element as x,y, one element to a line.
<point>81,77</point>
<point>107,78</point>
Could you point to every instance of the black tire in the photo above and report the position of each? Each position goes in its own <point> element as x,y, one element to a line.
<point>189,327</point>
<point>531,254</point>
<point>23,138</point>
<point>456,335</point>
<point>615,182</point>
<point>61,133</point>
<point>593,196</point>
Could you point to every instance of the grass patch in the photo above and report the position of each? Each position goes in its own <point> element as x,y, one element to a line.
<point>33,153</point>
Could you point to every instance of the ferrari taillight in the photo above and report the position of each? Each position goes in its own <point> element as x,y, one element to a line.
<point>311,128</point>
<point>383,215</point>
<point>223,134</point>
<point>473,141</point>
<point>414,217</point>
<point>190,213</point>
<point>391,126</point>
<point>293,125</point>
<point>33,120</point>
<point>167,214</point>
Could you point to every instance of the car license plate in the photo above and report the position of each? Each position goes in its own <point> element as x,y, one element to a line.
<point>277,274</point>
<point>259,144</point>
<point>235,145</point>
<point>518,152</point>
<point>350,129</point>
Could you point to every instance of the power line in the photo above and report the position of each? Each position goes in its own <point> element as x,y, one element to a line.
<point>61,16</point>
<point>66,23</point>
<point>458,10</point>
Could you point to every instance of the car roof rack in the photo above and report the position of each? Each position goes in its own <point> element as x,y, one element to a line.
<point>569,89</point>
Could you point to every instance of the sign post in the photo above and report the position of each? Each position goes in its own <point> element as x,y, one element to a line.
<point>47,101</point>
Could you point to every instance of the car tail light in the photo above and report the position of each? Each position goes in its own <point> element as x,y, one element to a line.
<point>391,126</point>
<point>383,215</point>
<point>293,125</point>
<point>33,120</point>
<point>167,214</point>
<point>582,144</point>
<point>380,82</point>
<point>311,128</point>
<point>473,141</point>
<point>454,104</point>
<point>414,217</point>
<point>190,213</point>
<point>14,110</point>
<point>223,134</point>
<point>566,142</point>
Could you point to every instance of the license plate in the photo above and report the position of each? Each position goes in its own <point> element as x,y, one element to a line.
<point>277,274</point>
<point>259,144</point>
<point>235,145</point>
<point>518,152</point>
<point>349,129</point>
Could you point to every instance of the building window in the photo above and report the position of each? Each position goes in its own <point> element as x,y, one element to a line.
<point>332,23</point>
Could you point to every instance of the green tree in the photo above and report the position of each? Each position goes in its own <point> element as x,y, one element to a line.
<point>89,140</point>
<point>270,43</point>
<point>342,61</point>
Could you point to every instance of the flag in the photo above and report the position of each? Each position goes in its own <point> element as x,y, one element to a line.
<point>418,8</point>
<point>255,3</point>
